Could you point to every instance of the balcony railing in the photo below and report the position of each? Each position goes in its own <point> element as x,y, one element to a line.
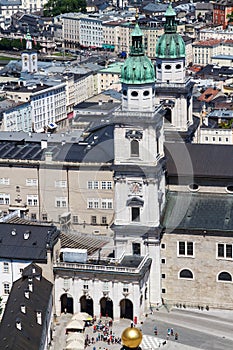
<point>101,268</point>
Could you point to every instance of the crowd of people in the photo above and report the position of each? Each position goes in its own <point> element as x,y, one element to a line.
<point>101,332</point>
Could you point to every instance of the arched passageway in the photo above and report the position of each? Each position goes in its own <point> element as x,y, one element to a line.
<point>86,305</point>
<point>67,303</point>
<point>126,309</point>
<point>106,307</point>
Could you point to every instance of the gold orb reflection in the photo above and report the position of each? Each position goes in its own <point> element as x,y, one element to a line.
<point>131,337</point>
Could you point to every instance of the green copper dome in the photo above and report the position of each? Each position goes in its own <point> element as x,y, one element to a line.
<point>138,68</point>
<point>170,44</point>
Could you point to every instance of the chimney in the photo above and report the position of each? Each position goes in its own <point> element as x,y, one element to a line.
<point>23,309</point>
<point>39,317</point>
<point>43,144</point>
<point>48,157</point>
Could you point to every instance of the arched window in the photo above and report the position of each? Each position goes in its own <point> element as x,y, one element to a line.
<point>186,274</point>
<point>134,151</point>
<point>193,187</point>
<point>229,189</point>
<point>224,276</point>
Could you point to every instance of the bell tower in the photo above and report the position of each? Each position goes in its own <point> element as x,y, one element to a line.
<point>173,88</point>
<point>29,57</point>
<point>139,164</point>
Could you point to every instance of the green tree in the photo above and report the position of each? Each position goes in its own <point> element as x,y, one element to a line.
<point>57,7</point>
<point>9,44</point>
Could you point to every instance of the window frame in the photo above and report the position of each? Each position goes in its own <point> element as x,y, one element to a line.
<point>225,246</point>
<point>133,212</point>
<point>32,200</point>
<point>6,288</point>
<point>6,267</point>
<point>186,248</point>
<point>186,278</point>
<point>223,281</point>
<point>61,201</point>
<point>133,151</point>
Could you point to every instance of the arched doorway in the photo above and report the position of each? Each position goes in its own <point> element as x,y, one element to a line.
<point>67,303</point>
<point>86,305</point>
<point>126,309</point>
<point>106,307</point>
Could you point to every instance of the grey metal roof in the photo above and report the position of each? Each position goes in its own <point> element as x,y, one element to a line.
<point>32,335</point>
<point>67,136</point>
<point>198,211</point>
<point>97,147</point>
<point>15,245</point>
<point>199,160</point>
<point>153,7</point>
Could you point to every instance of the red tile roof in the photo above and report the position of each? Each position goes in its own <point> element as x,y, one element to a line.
<point>208,95</point>
<point>210,42</point>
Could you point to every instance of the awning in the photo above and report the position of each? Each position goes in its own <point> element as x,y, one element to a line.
<point>75,324</point>
<point>82,316</point>
<point>52,126</point>
<point>107,46</point>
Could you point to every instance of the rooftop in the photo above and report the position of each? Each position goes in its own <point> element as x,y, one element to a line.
<point>199,160</point>
<point>19,328</point>
<point>26,242</point>
<point>197,211</point>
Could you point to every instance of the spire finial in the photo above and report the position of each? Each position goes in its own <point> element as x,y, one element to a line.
<point>136,15</point>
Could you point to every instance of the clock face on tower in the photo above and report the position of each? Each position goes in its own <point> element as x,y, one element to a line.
<point>135,188</point>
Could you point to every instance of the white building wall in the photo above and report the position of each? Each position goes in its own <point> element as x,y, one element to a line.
<point>48,106</point>
<point>91,32</point>
<point>171,71</point>
<point>17,119</point>
<point>97,291</point>
<point>215,136</point>
<point>9,277</point>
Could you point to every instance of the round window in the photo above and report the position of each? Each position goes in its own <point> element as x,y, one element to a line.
<point>193,187</point>
<point>124,92</point>
<point>178,66</point>
<point>229,189</point>
<point>134,93</point>
<point>146,93</point>
<point>159,66</point>
<point>167,66</point>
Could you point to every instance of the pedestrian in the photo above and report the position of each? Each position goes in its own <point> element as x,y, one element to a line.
<point>168,332</point>
<point>172,332</point>
<point>176,336</point>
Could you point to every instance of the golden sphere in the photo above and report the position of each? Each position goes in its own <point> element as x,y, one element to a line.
<point>131,337</point>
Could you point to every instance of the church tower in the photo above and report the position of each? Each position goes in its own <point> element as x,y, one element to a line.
<point>29,57</point>
<point>172,86</point>
<point>139,164</point>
